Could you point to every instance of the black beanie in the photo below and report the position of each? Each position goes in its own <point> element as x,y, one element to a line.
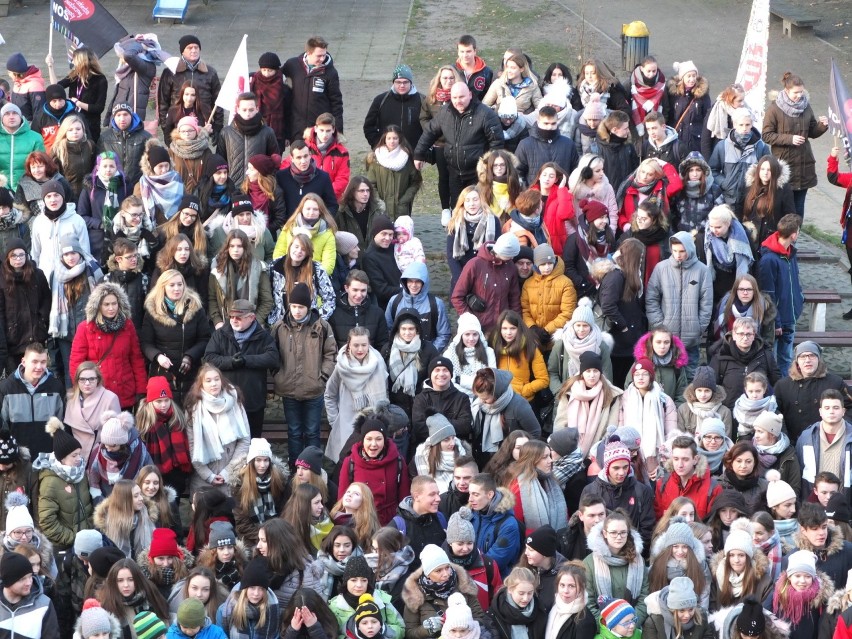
<point>189,201</point>
<point>590,359</point>
<point>63,442</point>
<point>215,163</point>
<point>372,424</point>
<point>102,559</point>
<point>750,621</point>
<point>357,566</point>
<point>269,60</point>
<point>9,451</point>
<point>543,540</point>
<point>52,186</point>
<point>7,198</point>
<point>187,40</point>
<point>157,155</point>
<point>440,360</point>
<point>300,294</point>
<point>256,573</point>
<point>380,223</point>
<point>311,458</point>
<point>14,567</point>
<point>54,92</point>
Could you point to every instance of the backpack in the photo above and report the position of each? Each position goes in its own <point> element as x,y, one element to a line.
<point>402,527</point>
<point>433,316</point>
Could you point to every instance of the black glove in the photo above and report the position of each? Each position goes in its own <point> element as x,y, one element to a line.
<point>542,337</point>
<point>185,364</point>
<point>238,360</point>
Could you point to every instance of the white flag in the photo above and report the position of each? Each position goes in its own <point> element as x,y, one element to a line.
<point>751,74</point>
<point>236,82</point>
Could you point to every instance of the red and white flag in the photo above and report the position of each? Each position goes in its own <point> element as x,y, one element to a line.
<point>236,82</point>
<point>751,74</point>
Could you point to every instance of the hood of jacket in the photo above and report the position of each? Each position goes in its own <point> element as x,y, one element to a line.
<point>147,565</point>
<point>596,543</point>
<point>503,501</point>
<point>782,168</point>
<point>671,136</point>
<point>833,545</point>
<point>411,316</point>
<point>485,253</point>
<point>99,293</point>
<point>558,269</point>
<point>795,372</point>
<point>25,126</point>
<point>414,597</point>
<point>700,468</point>
<point>144,162</point>
<point>684,238</point>
<point>719,395</point>
<point>135,124</point>
<point>502,381</point>
<point>773,244</point>
<point>159,314</point>
<point>482,163</point>
<point>406,510</point>
<point>753,139</point>
<point>415,271</point>
<point>759,562</point>
<point>102,513</point>
<point>479,65</point>
<point>643,348</point>
<point>839,600</point>
<point>675,87</point>
<point>236,481</point>
<point>724,618</point>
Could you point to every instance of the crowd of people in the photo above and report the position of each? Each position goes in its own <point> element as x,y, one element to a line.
<point>622,434</point>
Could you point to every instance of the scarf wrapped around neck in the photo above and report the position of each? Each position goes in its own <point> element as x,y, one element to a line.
<point>254,231</point>
<point>584,412</point>
<point>68,474</point>
<point>488,421</point>
<point>404,365</point>
<point>797,603</point>
<point>703,410</point>
<point>543,501</point>
<point>714,457</point>
<point>169,448</point>
<point>604,558</point>
<point>233,285</point>
<point>561,612</point>
<point>134,233</point>
<point>574,346</point>
<point>485,232</point>
<point>586,90</point>
<point>652,408</point>
<point>718,118</point>
<point>163,192</point>
<point>567,466</point>
<point>532,225</point>
<point>734,579</point>
<point>303,177</point>
<point>728,254</point>
<point>646,98</point>
<point>250,127</point>
<point>391,160</point>
<point>191,149</point>
<point>217,421</point>
<point>768,455</point>
<point>359,378</point>
<point>786,528</point>
<point>774,552</point>
<point>746,411</point>
<point>790,108</point>
<point>59,307</point>
<point>111,203</point>
<point>441,591</point>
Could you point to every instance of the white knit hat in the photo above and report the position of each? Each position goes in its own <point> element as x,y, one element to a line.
<point>778,491</point>
<point>17,513</point>
<point>507,246</point>
<point>458,614</point>
<point>258,447</point>
<point>682,68</point>
<point>770,422</point>
<point>739,540</point>
<point>433,557</point>
<point>801,561</point>
<point>508,107</point>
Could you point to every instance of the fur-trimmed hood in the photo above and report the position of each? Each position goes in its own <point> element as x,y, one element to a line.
<point>482,163</point>
<point>207,557</point>
<point>596,543</point>
<point>700,468</point>
<point>414,597</point>
<point>148,568</point>
<point>759,562</point>
<point>99,293</point>
<point>724,618</point>
<point>235,479</point>
<point>796,374</point>
<point>115,630</point>
<point>159,314</point>
<point>839,600</point>
<point>783,177</point>
<point>834,543</point>
<point>643,348</point>
<point>45,548</point>
<point>102,512</point>
<point>675,87</point>
<point>171,493</point>
<point>719,395</point>
<point>502,502</point>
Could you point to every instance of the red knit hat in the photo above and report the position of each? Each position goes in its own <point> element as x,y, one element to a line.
<point>264,164</point>
<point>158,388</point>
<point>593,210</point>
<point>642,364</point>
<point>164,544</point>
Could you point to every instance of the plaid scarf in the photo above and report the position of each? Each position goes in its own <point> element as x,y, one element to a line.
<point>111,203</point>
<point>122,464</point>
<point>264,505</point>
<point>169,447</point>
<point>568,466</point>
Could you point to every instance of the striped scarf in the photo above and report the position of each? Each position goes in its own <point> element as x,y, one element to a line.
<point>169,448</point>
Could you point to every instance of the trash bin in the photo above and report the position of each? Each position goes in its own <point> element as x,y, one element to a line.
<point>634,44</point>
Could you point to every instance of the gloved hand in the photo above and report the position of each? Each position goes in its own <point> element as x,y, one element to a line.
<point>238,360</point>
<point>433,625</point>
<point>185,364</point>
<point>542,337</point>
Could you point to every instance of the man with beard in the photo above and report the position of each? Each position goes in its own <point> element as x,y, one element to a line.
<point>245,137</point>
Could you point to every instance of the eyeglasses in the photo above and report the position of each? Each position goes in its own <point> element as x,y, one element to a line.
<point>738,334</point>
<point>745,290</point>
<point>21,534</point>
<point>134,215</point>
<point>88,380</point>
<point>807,356</point>
<point>191,216</point>
<point>616,533</point>
<point>628,622</point>
<point>712,438</point>
<point>18,256</point>
<point>364,190</point>
<point>127,257</point>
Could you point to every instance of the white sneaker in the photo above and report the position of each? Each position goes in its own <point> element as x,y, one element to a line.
<point>446,214</point>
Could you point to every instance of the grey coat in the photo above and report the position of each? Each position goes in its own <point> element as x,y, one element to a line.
<point>676,290</point>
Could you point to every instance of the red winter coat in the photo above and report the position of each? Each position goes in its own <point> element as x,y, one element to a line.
<point>559,217</point>
<point>672,183</point>
<point>479,574</point>
<point>701,488</point>
<point>387,478</point>
<point>843,180</point>
<point>496,284</point>
<point>335,162</point>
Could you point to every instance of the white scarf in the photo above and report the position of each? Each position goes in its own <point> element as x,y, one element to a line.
<point>392,160</point>
<point>562,612</point>
<point>359,378</point>
<point>574,346</point>
<point>217,422</point>
<point>403,365</point>
<point>652,409</point>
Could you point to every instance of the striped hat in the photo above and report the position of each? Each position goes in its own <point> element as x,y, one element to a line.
<point>614,612</point>
<point>148,626</point>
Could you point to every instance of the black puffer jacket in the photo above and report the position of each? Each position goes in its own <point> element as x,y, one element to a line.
<point>315,91</point>
<point>688,113</point>
<point>380,265</point>
<point>238,148</point>
<point>367,314</point>
<point>426,354</point>
<point>24,312</point>
<point>619,156</point>
<point>129,146</point>
<point>731,366</point>
<point>466,135</point>
<point>451,403</point>
<point>392,108</point>
<point>627,315</point>
<point>798,397</point>
<point>636,498</point>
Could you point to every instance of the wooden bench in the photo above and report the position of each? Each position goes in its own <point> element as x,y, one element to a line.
<point>808,256</point>
<point>793,16</point>
<point>819,299</point>
<point>833,338</point>
<point>275,429</point>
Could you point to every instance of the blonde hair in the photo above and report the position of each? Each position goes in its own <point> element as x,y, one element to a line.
<point>239,617</point>
<point>158,292</point>
<point>85,65</point>
<point>120,522</point>
<point>458,212</point>
<point>60,144</point>
<point>324,214</point>
<point>365,521</point>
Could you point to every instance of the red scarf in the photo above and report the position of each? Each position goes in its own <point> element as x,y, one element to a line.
<point>259,199</point>
<point>270,97</point>
<point>643,94</point>
<point>169,448</point>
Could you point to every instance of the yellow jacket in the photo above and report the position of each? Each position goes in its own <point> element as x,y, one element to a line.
<point>548,301</point>
<point>520,369</point>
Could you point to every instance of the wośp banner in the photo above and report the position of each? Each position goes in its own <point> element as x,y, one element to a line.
<point>751,74</point>
<point>85,23</point>
<point>839,108</point>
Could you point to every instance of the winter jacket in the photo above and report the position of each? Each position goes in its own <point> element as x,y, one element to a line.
<point>731,366</point>
<point>760,228</point>
<point>621,314</point>
<point>316,91</point>
<point>689,422</point>
<point>576,266</point>
<point>28,92</point>
<point>46,122</point>
<point>64,509</point>
<point>655,626</point>
<point>175,337</point>
<point>498,533</point>
<point>258,357</point>
<point>217,300</point>
<point>619,156</point>
<point>226,466</point>
<point>25,408</point>
<point>334,160</point>
<point>663,190</point>
<point>380,265</point>
<point>571,540</point>
<point>689,111</point>
<point>559,216</point>
<point>94,95</point>
<point>450,402</point>
<point>669,150</point>
<point>603,192</point>
<point>730,162</point>
<point>346,221</point>
<point>798,397</point>
<point>135,285</point>
<point>128,145</point>
<point>618,576</point>
<point>478,80</point>
<point>420,529</point>
<point>21,478</point>
<point>672,376</point>
<point>557,362</point>
<point>778,131</point>
<point>387,477</point>
<point>203,78</point>
<point>24,312</point>
<point>14,149</point>
<point>632,496</point>
<point>274,608</point>
<point>609,414</point>
<point>778,277</point>
<point>293,192</point>
<point>536,150</point>
<point>763,574</point>
<point>495,284</point>
<point>33,617</point>
<point>368,314</point>
<point>396,188</point>
<point>527,98</point>
<point>439,333</point>
<point>306,357</point>
<point>701,488</point>
<point>808,449</point>
<point>578,626</point>
<point>90,207</point>
<point>528,378</point>
<point>690,213</point>
<point>420,605</point>
<point>425,355</point>
<point>676,290</point>
<point>766,330</point>
<point>46,236</point>
<point>209,630</point>
<point>119,356</point>
<point>392,620</point>
<point>238,148</point>
<point>466,136</point>
<point>533,626</point>
<point>548,301</point>
<point>392,108</point>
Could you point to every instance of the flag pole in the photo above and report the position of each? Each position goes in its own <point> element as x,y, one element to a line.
<point>212,113</point>
<point>50,33</point>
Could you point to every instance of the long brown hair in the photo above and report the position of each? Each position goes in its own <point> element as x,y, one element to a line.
<point>171,228</point>
<point>303,273</point>
<point>248,493</point>
<point>524,345</point>
<point>265,182</point>
<point>528,459</point>
<point>217,595</point>
<point>113,602</point>
<point>513,180</point>
<point>499,466</point>
<point>658,577</point>
<point>290,224</point>
<point>672,510</point>
<point>631,261</point>
<point>760,199</point>
<point>161,499</point>
<point>757,305</point>
<point>726,595</point>
<point>193,396</point>
<point>243,265</point>
<point>166,256</point>
<point>285,551</point>
<point>629,551</point>
<point>389,541</point>
<point>298,513</point>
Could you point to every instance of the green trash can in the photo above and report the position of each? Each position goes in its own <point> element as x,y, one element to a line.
<point>634,44</point>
